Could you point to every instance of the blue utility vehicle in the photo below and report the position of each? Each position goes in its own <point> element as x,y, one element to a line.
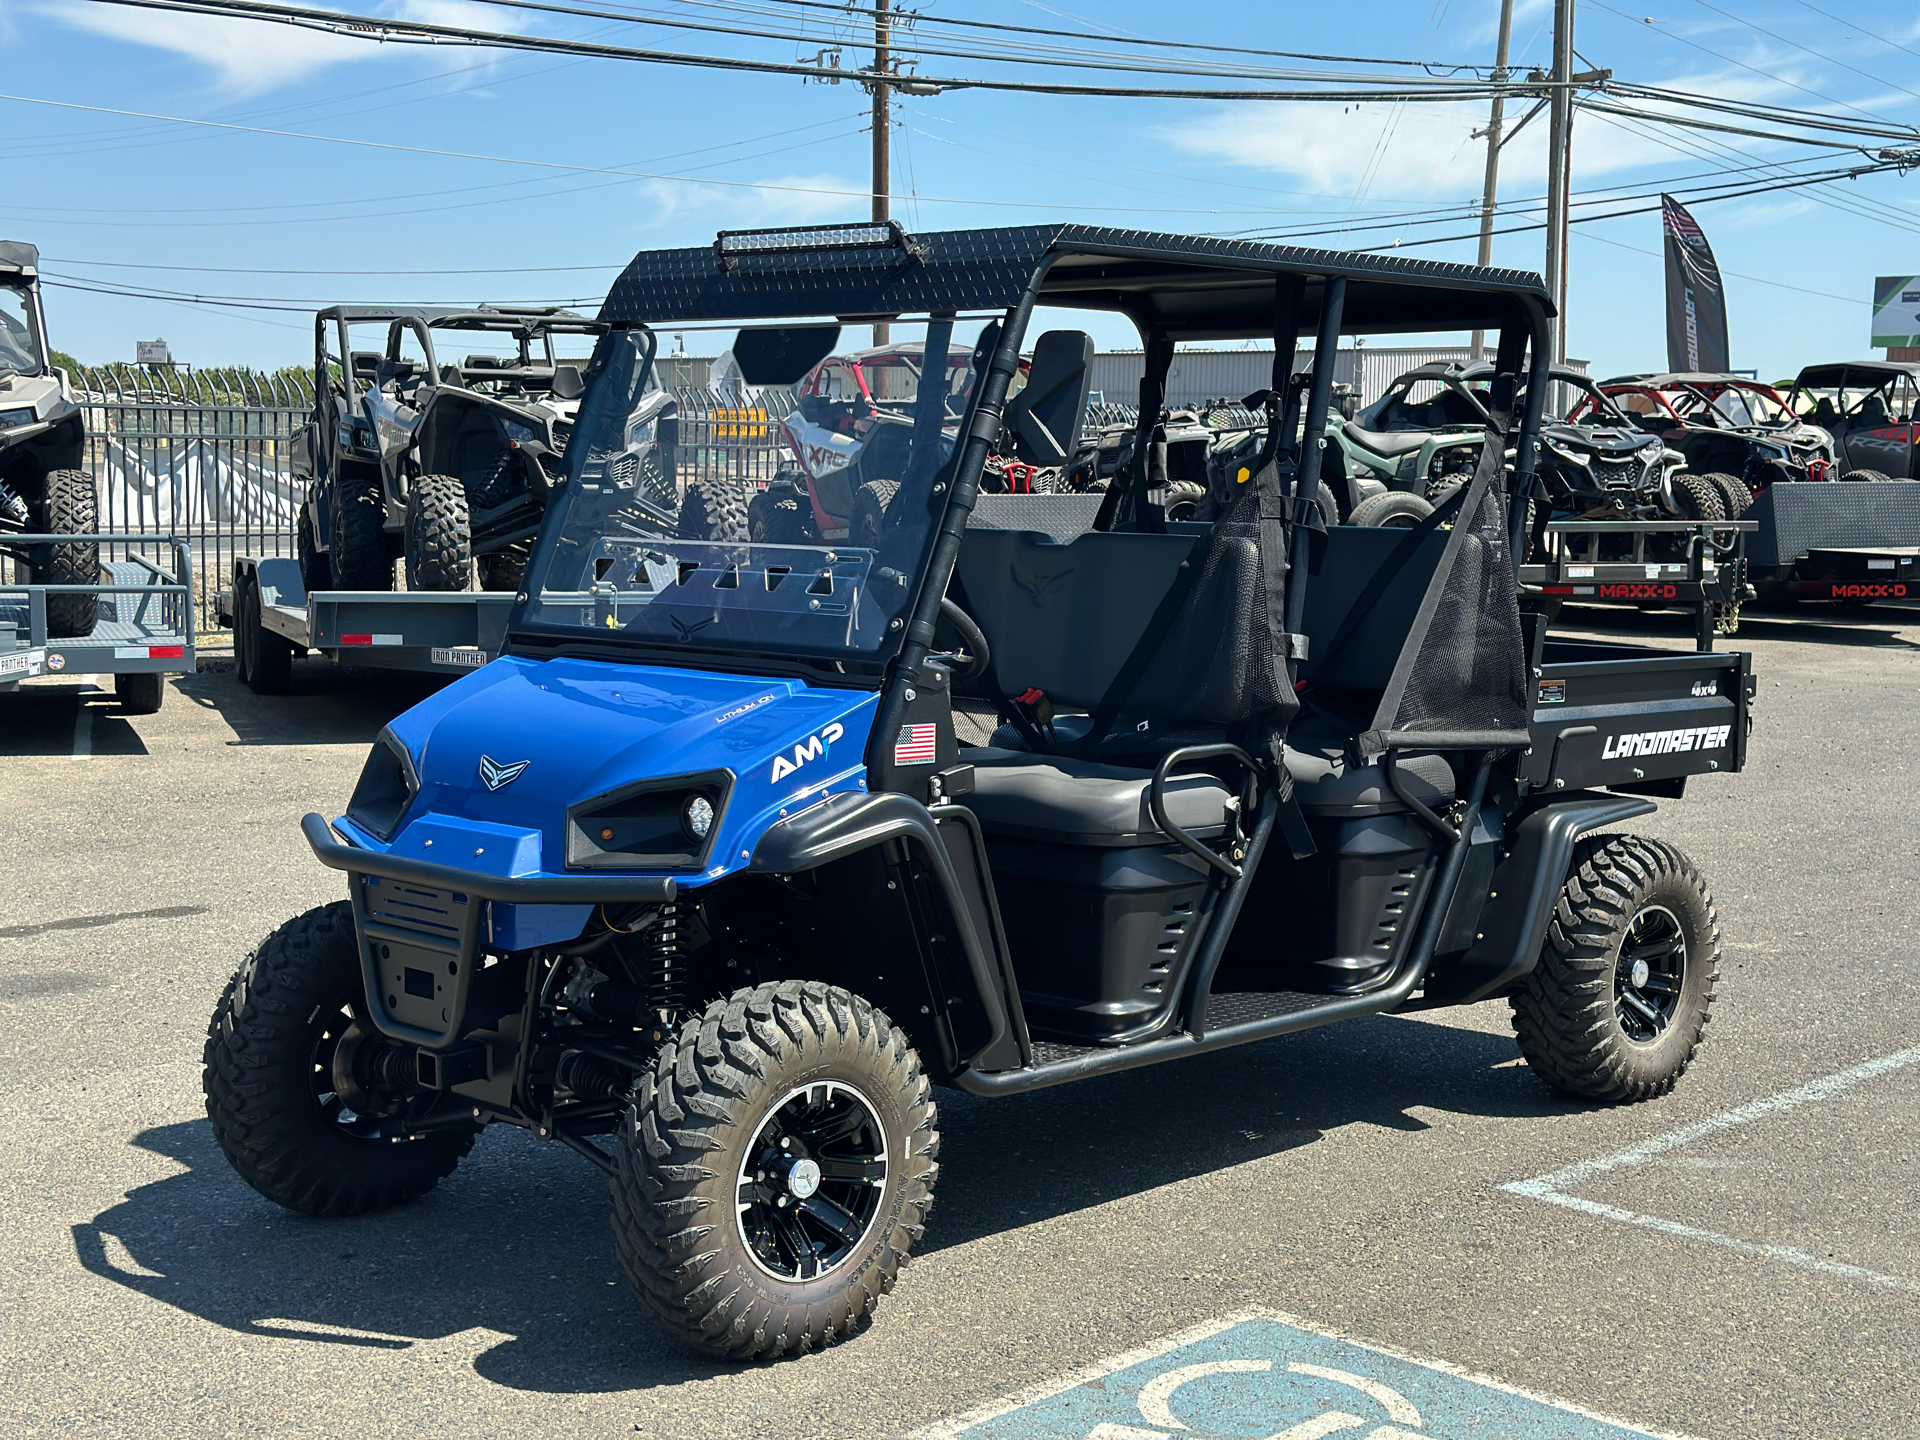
<point>699,879</point>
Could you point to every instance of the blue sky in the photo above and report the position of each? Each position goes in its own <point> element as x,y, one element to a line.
<point>109,196</point>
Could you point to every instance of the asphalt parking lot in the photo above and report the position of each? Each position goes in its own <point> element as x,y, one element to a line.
<point>1740,1259</point>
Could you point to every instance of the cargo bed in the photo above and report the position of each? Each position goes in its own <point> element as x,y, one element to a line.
<point>445,632</point>
<point>145,624</point>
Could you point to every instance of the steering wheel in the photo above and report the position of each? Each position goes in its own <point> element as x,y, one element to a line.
<point>971,636</point>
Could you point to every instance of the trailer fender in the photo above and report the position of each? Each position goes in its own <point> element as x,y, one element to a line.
<point>846,824</point>
<point>1526,885</point>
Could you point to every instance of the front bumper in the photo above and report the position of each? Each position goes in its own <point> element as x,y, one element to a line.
<point>419,923</point>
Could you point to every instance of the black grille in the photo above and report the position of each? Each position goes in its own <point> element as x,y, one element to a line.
<point>431,913</point>
<point>1628,474</point>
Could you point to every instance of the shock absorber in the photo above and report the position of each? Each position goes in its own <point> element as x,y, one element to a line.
<point>666,961</point>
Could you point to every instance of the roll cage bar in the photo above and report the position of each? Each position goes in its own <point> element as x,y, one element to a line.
<point>524,323</point>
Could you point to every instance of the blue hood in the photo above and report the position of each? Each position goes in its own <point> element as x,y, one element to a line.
<point>584,728</point>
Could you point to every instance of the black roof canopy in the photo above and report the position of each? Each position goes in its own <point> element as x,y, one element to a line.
<point>1871,373</point>
<point>1192,287</point>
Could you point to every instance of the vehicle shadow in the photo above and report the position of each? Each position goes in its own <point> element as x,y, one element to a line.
<point>327,705</point>
<point>516,1243</point>
<point>47,720</point>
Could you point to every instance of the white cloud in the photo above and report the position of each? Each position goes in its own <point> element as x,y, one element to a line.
<point>251,57</point>
<point>786,200</point>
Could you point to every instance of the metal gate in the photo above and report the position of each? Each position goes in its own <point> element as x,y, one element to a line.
<point>207,456</point>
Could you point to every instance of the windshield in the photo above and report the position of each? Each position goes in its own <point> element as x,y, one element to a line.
<point>662,535</point>
<point>19,345</point>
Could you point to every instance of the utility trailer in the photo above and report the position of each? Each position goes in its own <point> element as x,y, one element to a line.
<point>142,631</point>
<point>274,619</point>
<point>1584,565</point>
<point>1851,544</point>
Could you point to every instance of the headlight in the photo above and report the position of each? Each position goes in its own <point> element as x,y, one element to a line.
<point>11,418</point>
<point>666,824</point>
<point>1573,456</point>
<point>697,817</point>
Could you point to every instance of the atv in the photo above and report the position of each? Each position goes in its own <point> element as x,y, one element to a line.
<point>697,880</point>
<point>444,466</point>
<point>847,435</point>
<point>43,442</point>
<point>1735,433</point>
<point>1868,407</point>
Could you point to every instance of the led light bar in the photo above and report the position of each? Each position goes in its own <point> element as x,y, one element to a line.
<point>730,245</point>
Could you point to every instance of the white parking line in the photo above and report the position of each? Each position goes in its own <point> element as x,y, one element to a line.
<point>1553,1188</point>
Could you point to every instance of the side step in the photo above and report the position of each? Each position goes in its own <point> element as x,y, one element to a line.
<point>1232,1019</point>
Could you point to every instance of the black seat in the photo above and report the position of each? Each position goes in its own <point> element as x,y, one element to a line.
<point>1057,799</point>
<point>1386,442</point>
<point>1078,802</point>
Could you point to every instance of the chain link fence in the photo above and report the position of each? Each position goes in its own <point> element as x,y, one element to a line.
<point>207,455</point>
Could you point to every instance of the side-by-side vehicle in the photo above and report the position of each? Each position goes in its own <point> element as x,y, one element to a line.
<point>699,879</point>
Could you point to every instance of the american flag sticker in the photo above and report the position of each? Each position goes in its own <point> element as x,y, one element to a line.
<point>915,745</point>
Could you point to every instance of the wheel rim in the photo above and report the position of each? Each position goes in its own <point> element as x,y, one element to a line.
<point>336,1048</point>
<point>1650,975</point>
<point>811,1181</point>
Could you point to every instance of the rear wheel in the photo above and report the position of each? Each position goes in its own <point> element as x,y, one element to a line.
<point>714,510</point>
<point>870,506</point>
<point>263,659</point>
<point>777,517</point>
<point>503,570</point>
<point>1393,510</point>
<point>1698,498</point>
<point>301,1087</point>
<point>70,508</point>
<point>439,539</point>
<point>1734,496</point>
<point>1870,476</point>
<point>359,558</point>
<point>775,1169</point>
<point>1183,499</point>
<point>142,693</point>
<point>1616,1008</point>
<point>315,572</point>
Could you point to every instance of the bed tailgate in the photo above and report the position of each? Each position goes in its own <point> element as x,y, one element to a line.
<point>1624,716</point>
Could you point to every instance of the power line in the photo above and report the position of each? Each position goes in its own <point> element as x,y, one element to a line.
<point>381,30</point>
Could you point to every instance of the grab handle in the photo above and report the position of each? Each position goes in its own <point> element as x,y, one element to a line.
<point>1157,798</point>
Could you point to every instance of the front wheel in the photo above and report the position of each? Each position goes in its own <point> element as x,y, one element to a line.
<point>71,509</point>
<point>870,506</point>
<point>439,537</point>
<point>1735,498</point>
<point>714,510</point>
<point>1867,476</point>
<point>1617,1006</point>
<point>775,1169</point>
<point>302,1089</point>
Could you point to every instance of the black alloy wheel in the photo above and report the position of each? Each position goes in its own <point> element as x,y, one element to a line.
<point>1650,975</point>
<point>810,1182</point>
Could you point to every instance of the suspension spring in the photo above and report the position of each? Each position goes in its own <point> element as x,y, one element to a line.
<point>666,962</point>
<point>13,507</point>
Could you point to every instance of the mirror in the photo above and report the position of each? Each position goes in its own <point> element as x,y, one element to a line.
<point>782,354</point>
<point>1045,417</point>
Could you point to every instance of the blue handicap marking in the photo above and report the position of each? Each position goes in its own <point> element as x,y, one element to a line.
<point>1263,1378</point>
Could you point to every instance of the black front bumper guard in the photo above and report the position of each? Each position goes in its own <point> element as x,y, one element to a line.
<point>419,941</point>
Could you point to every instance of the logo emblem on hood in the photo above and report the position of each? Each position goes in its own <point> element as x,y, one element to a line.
<point>497,775</point>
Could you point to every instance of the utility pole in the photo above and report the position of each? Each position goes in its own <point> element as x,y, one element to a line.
<point>1494,124</point>
<point>1559,164</point>
<point>882,128</point>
